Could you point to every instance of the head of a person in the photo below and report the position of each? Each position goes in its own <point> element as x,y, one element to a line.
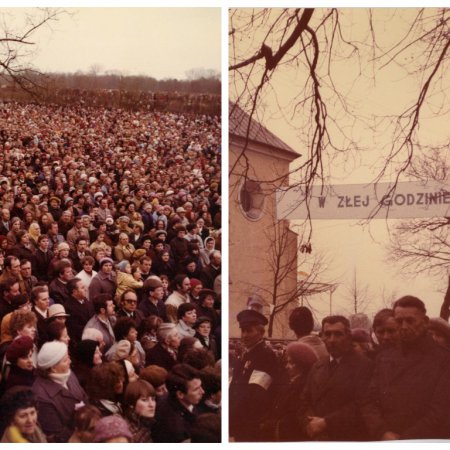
<point>18,408</point>
<point>252,325</point>
<point>385,328</point>
<point>301,321</point>
<point>184,384</point>
<point>128,301</point>
<point>439,330</point>
<point>40,297</point>
<point>104,305</point>
<point>207,298</point>
<point>196,287</point>
<point>63,250</point>
<point>154,288</point>
<point>43,242</point>
<point>78,222</point>
<point>203,326</point>
<point>53,358</point>
<point>300,358</point>
<point>168,335</point>
<point>106,265</point>
<point>23,323</point>
<point>156,376</point>
<point>20,353</point>
<point>140,399</point>
<point>125,328</point>
<point>85,419</point>
<point>106,382</point>
<point>81,244</point>
<point>12,265</point>
<point>87,263</point>
<point>95,335</point>
<point>63,270</point>
<point>112,429</point>
<point>57,331</point>
<point>337,336</point>
<point>88,353</point>
<point>196,355</point>
<point>10,288</point>
<point>145,263</point>
<point>411,317</point>
<point>76,288</point>
<point>187,313</point>
<point>182,283</point>
<point>215,258</point>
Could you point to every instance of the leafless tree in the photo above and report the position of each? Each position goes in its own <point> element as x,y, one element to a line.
<point>285,256</point>
<point>357,294</point>
<point>308,44</point>
<point>17,46</point>
<point>423,245</point>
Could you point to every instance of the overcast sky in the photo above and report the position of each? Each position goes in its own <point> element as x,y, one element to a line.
<point>351,246</point>
<point>159,42</point>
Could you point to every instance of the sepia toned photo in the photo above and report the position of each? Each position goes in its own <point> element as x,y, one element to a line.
<point>339,205</point>
<point>111,225</point>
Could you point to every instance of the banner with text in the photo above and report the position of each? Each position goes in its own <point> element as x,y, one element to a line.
<point>360,201</point>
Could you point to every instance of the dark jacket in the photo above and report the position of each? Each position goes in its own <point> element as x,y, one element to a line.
<point>79,315</point>
<point>42,264</point>
<point>173,422</point>
<point>137,316</point>
<point>148,309</point>
<point>335,396</point>
<point>56,406</point>
<point>281,423</point>
<point>58,291</point>
<point>410,392</point>
<point>251,392</point>
<point>159,356</point>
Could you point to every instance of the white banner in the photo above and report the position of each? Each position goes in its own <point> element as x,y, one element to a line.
<point>359,201</point>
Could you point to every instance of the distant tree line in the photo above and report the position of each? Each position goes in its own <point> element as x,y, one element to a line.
<point>199,95</point>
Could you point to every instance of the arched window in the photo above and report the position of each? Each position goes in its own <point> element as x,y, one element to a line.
<point>251,199</point>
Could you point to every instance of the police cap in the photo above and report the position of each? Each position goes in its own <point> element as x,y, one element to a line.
<point>251,317</point>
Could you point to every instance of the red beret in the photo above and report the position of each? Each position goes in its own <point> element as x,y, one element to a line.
<point>19,348</point>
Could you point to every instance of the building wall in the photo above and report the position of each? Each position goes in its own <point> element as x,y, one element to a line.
<point>250,241</point>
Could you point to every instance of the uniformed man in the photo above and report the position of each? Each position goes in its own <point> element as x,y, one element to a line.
<point>253,379</point>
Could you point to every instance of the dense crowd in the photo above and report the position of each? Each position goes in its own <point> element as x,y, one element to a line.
<point>385,381</point>
<point>110,275</point>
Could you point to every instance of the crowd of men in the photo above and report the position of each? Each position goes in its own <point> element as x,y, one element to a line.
<point>389,382</point>
<point>110,275</point>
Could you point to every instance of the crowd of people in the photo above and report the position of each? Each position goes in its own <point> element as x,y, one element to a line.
<point>110,275</point>
<point>388,381</point>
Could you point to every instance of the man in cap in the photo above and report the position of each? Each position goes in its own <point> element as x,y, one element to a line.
<point>253,379</point>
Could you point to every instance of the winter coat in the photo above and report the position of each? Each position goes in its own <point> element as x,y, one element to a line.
<point>56,406</point>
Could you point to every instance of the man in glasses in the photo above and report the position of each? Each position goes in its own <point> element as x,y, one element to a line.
<point>128,307</point>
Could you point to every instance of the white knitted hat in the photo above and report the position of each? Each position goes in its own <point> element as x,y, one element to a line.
<point>50,354</point>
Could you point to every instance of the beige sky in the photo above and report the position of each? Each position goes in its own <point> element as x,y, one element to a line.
<point>159,42</point>
<point>351,245</point>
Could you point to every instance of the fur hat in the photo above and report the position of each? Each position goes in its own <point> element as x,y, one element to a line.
<point>111,427</point>
<point>301,354</point>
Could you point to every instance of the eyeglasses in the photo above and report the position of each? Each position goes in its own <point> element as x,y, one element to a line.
<point>128,300</point>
